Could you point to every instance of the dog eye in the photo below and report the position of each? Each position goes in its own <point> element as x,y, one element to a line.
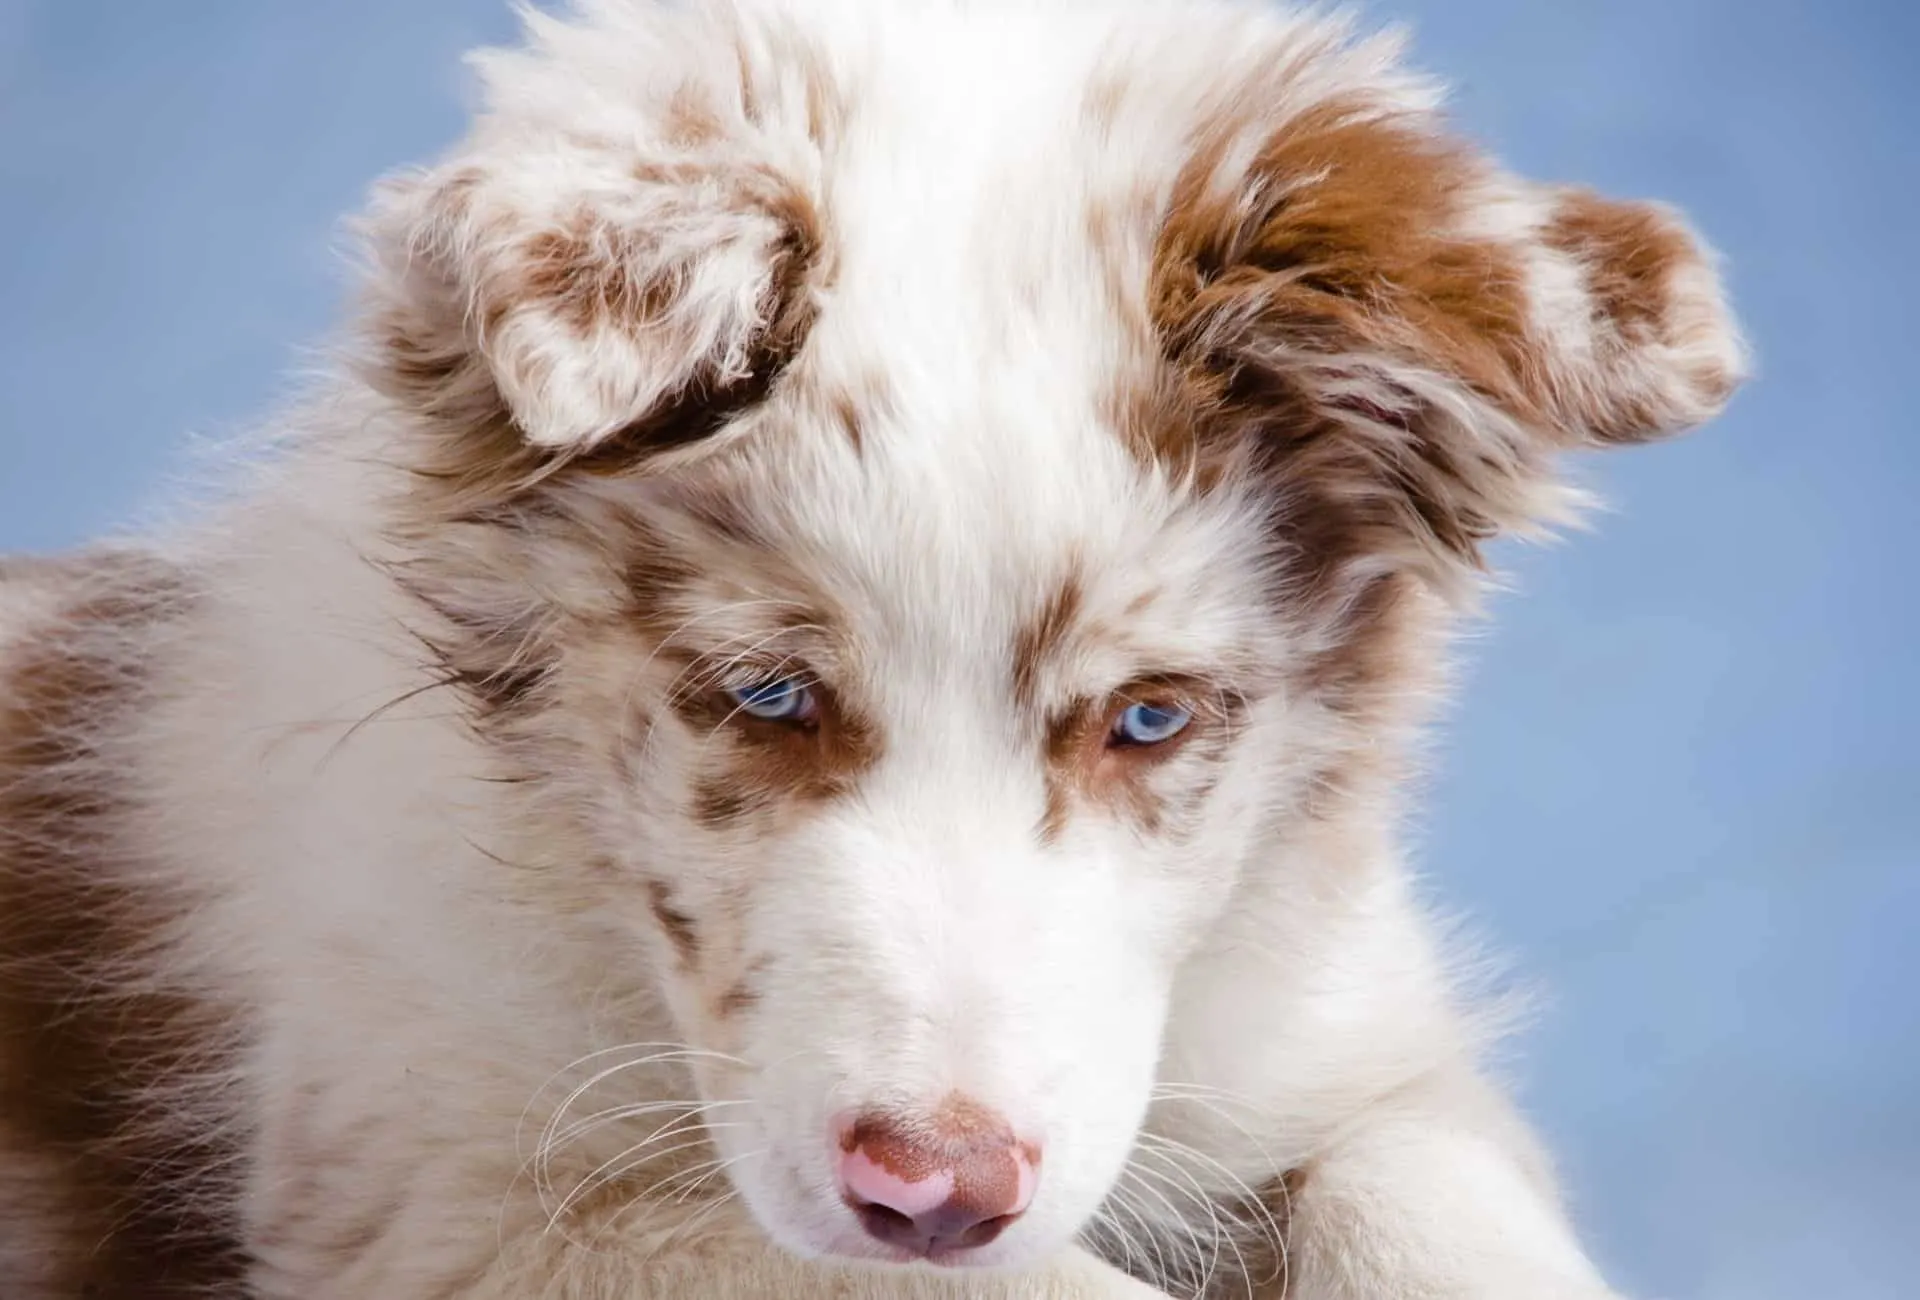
<point>783,699</point>
<point>1150,724</point>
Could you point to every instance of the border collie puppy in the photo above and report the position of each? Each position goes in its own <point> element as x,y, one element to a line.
<point>819,706</point>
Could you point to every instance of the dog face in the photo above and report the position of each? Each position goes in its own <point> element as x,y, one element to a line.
<point>915,543</point>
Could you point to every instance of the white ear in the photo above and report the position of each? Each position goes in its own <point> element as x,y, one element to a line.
<point>590,292</point>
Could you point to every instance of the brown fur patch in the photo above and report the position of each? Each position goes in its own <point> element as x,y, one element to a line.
<point>762,767</point>
<point>1041,639</point>
<point>97,1048</point>
<point>1334,246</point>
<point>1082,767</point>
<point>677,925</point>
<point>1374,648</point>
<point>1632,254</point>
<point>1294,304</point>
<point>593,276</point>
<point>1629,253</point>
<point>720,800</point>
<point>740,996</point>
<point>847,413</point>
<point>1345,246</point>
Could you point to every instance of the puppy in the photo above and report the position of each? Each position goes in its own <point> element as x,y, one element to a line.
<point>819,705</point>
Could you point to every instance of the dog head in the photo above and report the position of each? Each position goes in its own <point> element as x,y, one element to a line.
<point>921,497</point>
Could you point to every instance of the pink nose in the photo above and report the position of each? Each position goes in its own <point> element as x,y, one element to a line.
<point>934,1183</point>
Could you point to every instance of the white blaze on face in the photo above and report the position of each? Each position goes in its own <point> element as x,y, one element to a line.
<point>984,910</point>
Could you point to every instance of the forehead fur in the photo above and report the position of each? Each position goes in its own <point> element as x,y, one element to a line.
<point>942,310</point>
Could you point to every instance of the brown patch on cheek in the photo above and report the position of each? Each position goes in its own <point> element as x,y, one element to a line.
<point>719,800</point>
<point>1379,668</point>
<point>764,768</point>
<point>740,996</point>
<point>1079,769</point>
<point>490,659</point>
<point>679,928</point>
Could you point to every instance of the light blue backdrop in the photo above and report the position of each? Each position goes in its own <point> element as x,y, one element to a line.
<point>1681,789</point>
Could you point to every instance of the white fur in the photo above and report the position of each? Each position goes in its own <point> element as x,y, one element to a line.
<point>431,961</point>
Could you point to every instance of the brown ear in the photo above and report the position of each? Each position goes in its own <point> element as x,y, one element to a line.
<point>1411,334</point>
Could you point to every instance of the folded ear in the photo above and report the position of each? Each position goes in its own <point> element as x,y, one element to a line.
<point>623,245</point>
<point>590,294</point>
<point>1412,334</point>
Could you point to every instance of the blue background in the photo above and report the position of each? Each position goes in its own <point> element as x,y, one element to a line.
<point>1680,790</point>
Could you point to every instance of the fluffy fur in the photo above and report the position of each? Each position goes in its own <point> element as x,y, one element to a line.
<point>395,903</point>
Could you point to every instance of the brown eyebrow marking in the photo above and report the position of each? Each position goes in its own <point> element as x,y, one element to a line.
<point>1042,636</point>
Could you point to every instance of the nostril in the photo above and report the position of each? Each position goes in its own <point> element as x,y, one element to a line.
<point>885,1217</point>
<point>886,1224</point>
<point>987,1229</point>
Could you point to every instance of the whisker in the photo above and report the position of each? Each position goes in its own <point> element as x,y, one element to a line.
<point>1249,1209</point>
<point>1177,1219</point>
<point>692,1223</point>
<point>629,1110</point>
<point>1123,1199</point>
<point>674,1055</point>
<point>556,1133</point>
<point>634,1157</point>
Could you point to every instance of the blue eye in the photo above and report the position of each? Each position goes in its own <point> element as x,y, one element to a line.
<point>1150,724</point>
<point>784,699</point>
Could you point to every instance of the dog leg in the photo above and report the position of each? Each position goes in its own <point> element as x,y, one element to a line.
<point>1438,1193</point>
